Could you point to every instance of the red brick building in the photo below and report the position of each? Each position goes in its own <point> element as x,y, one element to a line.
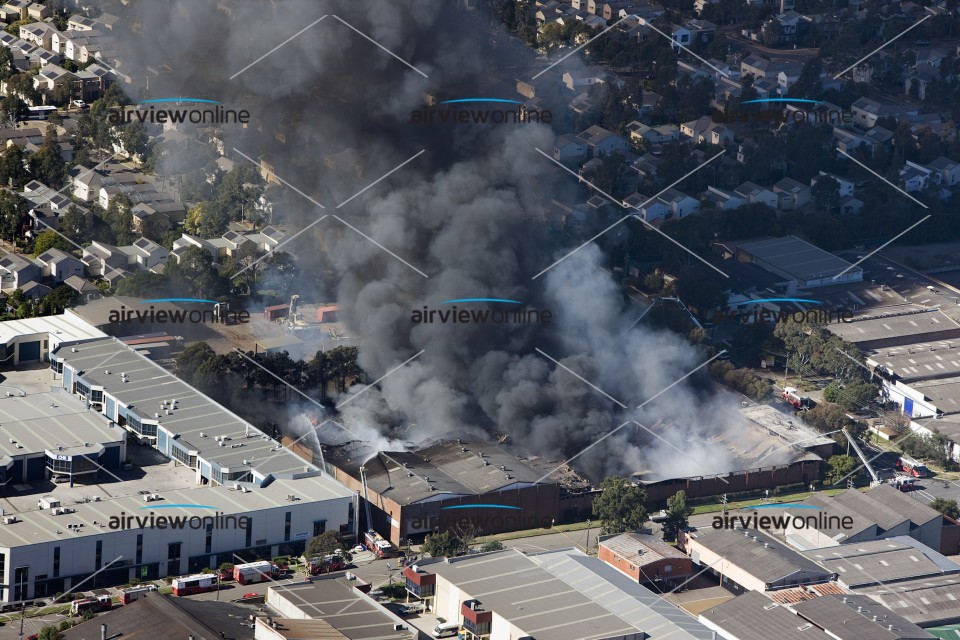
<point>646,559</point>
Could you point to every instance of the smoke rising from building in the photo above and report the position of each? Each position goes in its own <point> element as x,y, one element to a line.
<point>468,213</point>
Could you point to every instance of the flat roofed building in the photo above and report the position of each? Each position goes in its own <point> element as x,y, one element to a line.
<point>552,596</point>
<point>855,617</point>
<point>33,339</point>
<point>921,361</point>
<point>337,602</point>
<point>753,616</point>
<point>750,560</point>
<point>924,601</point>
<point>897,326</point>
<point>412,491</point>
<point>892,512</point>
<point>800,261</point>
<point>159,616</point>
<point>882,561</point>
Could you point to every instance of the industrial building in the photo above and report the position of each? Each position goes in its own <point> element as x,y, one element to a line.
<point>431,488</point>
<point>924,601</point>
<point>752,616</point>
<point>554,595</point>
<point>83,500</point>
<point>879,562</point>
<point>799,264</point>
<point>340,604</point>
<point>750,560</point>
<point>772,450</point>
<point>879,512</point>
<point>898,326</point>
<point>646,559</point>
<point>158,616</point>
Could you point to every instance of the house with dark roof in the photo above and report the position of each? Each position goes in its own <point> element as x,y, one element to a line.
<point>58,265</point>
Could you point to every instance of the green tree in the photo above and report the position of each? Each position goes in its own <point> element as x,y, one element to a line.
<point>142,283</point>
<point>196,272</point>
<point>678,515</point>
<point>50,239</point>
<point>49,633</point>
<point>323,544</point>
<point>207,220</point>
<point>134,138</point>
<point>13,166</point>
<point>621,505</point>
<point>839,468</point>
<point>947,507</point>
<point>828,417</point>
<point>444,544</point>
<point>493,545</point>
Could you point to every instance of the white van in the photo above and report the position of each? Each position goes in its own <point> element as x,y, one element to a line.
<point>446,629</point>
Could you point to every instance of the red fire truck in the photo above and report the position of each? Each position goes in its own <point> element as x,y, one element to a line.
<point>911,467</point>
<point>378,545</point>
<point>135,593</point>
<point>99,603</point>
<point>254,572</point>
<point>792,396</point>
<point>326,564</point>
<point>197,583</point>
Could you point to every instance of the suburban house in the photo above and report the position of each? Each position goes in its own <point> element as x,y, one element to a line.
<point>101,257</point>
<point>763,68</point>
<point>650,211</point>
<point>678,203</point>
<point>171,212</point>
<point>916,177</point>
<point>866,111</point>
<point>59,265</point>
<point>704,129</point>
<point>640,132</point>
<point>231,243</point>
<point>792,194</point>
<point>722,199</point>
<point>16,271</point>
<point>948,169</point>
<point>755,194</point>
<point>602,142</point>
<point>844,186</point>
<point>579,80</point>
<point>570,148</point>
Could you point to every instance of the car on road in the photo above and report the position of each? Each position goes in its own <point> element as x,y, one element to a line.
<point>78,104</point>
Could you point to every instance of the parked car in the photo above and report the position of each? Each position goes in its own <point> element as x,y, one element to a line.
<point>78,104</point>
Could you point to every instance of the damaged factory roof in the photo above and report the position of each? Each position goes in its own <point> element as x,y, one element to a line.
<point>453,467</point>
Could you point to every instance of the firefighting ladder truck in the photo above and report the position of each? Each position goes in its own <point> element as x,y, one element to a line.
<point>873,474</point>
<point>366,499</point>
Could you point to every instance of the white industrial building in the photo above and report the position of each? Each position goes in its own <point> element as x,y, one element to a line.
<point>207,486</point>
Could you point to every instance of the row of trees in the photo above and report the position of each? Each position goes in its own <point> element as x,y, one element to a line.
<point>332,371</point>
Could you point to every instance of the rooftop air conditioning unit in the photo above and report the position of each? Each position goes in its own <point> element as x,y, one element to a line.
<point>73,349</point>
<point>107,371</point>
<point>9,519</point>
<point>203,435</point>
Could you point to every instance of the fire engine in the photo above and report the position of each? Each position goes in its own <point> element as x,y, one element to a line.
<point>135,593</point>
<point>793,398</point>
<point>911,467</point>
<point>254,572</point>
<point>197,583</point>
<point>326,564</point>
<point>378,545</point>
<point>100,603</point>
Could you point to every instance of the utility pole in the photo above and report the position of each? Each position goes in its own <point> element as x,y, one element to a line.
<point>723,504</point>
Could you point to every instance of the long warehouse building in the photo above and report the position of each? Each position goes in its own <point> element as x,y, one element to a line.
<point>116,470</point>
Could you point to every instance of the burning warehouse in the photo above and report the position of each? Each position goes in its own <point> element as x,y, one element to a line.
<point>454,485</point>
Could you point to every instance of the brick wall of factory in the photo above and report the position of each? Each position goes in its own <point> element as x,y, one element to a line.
<point>801,472</point>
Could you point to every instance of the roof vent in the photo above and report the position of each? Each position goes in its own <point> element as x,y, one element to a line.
<point>73,349</point>
<point>107,371</point>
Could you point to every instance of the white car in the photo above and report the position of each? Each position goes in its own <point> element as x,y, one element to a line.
<point>357,549</point>
<point>79,104</point>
